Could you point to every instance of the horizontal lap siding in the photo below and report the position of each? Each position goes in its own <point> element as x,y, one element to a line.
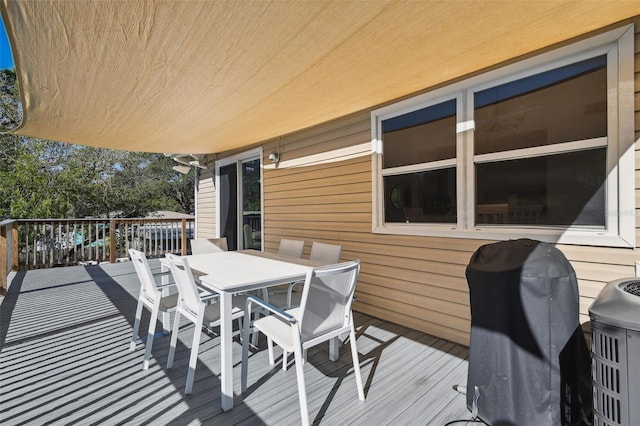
<point>206,205</point>
<point>414,281</point>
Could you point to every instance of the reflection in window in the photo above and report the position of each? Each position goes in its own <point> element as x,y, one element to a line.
<point>562,105</point>
<point>428,134</point>
<point>564,189</point>
<point>424,197</point>
<point>424,192</point>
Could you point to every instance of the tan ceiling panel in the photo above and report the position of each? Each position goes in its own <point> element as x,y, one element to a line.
<point>207,76</point>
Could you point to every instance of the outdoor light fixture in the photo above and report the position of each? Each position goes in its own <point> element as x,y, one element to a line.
<point>274,157</point>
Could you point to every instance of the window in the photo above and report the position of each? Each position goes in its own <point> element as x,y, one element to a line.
<point>540,149</point>
<point>563,114</point>
<point>419,165</point>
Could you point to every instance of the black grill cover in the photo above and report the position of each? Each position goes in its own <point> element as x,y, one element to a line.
<point>528,356</point>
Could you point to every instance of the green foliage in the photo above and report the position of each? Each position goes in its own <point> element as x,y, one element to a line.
<point>43,179</point>
<point>10,105</point>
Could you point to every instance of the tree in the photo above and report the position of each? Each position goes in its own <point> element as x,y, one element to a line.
<point>45,179</point>
<point>10,104</point>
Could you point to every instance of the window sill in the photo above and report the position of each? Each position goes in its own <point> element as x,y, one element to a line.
<point>554,236</point>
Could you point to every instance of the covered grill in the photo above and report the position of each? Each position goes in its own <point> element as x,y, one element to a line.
<point>529,362</point>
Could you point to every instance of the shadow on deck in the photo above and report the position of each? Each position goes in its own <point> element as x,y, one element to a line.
<point>64,359</point>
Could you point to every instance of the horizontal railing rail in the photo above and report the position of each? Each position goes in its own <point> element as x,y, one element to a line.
<point>46,243</point>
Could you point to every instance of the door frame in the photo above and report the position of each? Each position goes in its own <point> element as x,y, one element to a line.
<point>254,154</point>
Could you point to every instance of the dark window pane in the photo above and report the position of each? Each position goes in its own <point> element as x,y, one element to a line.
<point>425,197</point>
<point>428,134</point>
<point>564,189</point>
<point>562,105</point>
<point>229,204</point>
<point>251,213</point>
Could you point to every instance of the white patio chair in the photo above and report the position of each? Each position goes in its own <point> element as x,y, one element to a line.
<point>325,313</point>
<point>289,248</point>
<point>196,308</point>
<point>209,245</point>
<point>150,297</point>
<point>327,254</point>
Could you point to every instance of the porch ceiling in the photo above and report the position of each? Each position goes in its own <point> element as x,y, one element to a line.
<point>207,76</point>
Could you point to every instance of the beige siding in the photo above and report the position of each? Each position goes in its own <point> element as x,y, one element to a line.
<point>415,281</point>
<point>206,205</point>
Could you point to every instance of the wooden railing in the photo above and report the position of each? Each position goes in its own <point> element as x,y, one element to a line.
<point>8,252</point>
<point>45,243</point>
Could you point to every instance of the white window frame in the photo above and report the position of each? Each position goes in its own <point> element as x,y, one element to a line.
<point>620,185</point>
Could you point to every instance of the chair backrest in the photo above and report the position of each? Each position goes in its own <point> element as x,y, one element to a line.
<point>325,253</point>
<point>326,299</point>
<point>213,245</point>
<point>291,248</point>
<point>248,241</point>
<point>189,296</point>
<point>220,242</point>
<point>147,282</point>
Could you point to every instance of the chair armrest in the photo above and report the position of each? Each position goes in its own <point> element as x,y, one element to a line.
<point>208,296</point>
<point>162,286</point>
<point>291,286</point>
<point>277,312</point>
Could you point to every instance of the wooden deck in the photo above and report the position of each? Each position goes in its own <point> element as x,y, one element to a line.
<point>64,359</point>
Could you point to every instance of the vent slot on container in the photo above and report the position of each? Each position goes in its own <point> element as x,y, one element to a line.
<point>615,353</point>
<point>609,374</point>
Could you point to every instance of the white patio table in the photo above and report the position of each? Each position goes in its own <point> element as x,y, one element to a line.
<point>232,272</point>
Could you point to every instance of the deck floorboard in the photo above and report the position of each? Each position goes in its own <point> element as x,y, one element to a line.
<point>65,359</point>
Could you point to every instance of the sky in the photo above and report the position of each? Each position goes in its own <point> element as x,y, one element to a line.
<point>6,61</point>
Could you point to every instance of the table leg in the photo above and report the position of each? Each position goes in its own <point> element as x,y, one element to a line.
<point>226,346</point>
<point>166,316</point>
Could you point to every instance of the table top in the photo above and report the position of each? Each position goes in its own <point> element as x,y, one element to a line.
<point>235,271</point>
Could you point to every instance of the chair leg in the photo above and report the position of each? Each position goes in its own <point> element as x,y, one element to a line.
<point>285,359</point>
<point>356,361</point>
<point>255,334</point>
<point>193,359</point>
<point>302,390</point>
<point>245,356</point>
<point>270,348</point>
<point>166,316</point>
<point>136,326</point>
<point>174,339</point>
<point>150,333</point>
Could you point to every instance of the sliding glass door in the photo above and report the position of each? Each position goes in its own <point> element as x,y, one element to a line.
<point>240,201</point>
